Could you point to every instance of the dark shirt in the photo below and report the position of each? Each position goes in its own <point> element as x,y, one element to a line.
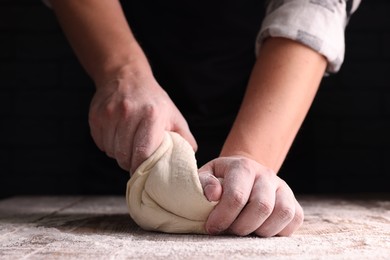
<point>201,53</point>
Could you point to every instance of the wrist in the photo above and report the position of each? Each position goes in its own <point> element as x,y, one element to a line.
<point>257,143</point>
<point>237,154</point>
<point>232,150</point>
<point>132,66</point>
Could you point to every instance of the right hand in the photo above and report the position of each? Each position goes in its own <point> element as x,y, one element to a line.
<point>128,118</point>
<point>252,199</point>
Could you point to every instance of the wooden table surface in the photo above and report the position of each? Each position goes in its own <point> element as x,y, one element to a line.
<point>100,228</point>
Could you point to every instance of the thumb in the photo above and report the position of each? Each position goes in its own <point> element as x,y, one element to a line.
<point>183,129</point>
<point>212,187</point>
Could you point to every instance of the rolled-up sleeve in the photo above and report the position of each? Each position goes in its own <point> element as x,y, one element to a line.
<point>318,24</point>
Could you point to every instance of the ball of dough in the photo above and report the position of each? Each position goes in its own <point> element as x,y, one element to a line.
<point>165,194</point>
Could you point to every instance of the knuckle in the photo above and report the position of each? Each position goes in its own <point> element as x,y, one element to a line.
<point>286,213</point>
<point>242,167</point>
<point>241,164</point>
<point>299,217</point>
<point>234,165</point>
<point>126,107</point>
<point>245,164</point>
<point>294,224</point>
<point>263,208</point>
<point>109,109</point>
<point>238,199</point>
<point>150,111</point>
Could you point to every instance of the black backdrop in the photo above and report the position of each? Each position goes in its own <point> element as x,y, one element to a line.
<point>343,145</point>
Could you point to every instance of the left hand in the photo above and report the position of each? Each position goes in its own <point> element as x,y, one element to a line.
<point>252,199</point>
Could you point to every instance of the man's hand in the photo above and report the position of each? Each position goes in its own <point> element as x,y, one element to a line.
<point>252,198</point>
<point>128,118</point>
<point>129,111</point>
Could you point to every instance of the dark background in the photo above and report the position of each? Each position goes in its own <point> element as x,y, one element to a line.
<point>343,146</point>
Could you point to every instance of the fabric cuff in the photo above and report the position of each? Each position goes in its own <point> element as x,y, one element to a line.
<point>318,24</point>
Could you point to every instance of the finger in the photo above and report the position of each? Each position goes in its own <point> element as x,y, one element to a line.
<point>260,206</point>
<point>123,143</point>
<point>147,138</point>
<point>103,116</point>
<point>296,223</point>
<point>95,129</point>
<point>237,185</point>
<point>212,187</point>
<point>108,140</point>
<point>282,215</point>
<point>97,136</point>
<point>183,129</point>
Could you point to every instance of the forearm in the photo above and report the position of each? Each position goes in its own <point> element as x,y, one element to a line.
<point>101,38</point>
<point>281,89</point>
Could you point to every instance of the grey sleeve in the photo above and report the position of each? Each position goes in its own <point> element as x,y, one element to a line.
<point>318,24</point>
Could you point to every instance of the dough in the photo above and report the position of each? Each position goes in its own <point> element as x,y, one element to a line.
<point>165,194</point>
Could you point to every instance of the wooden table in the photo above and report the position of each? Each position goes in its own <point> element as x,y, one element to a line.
<point>100,228</point>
